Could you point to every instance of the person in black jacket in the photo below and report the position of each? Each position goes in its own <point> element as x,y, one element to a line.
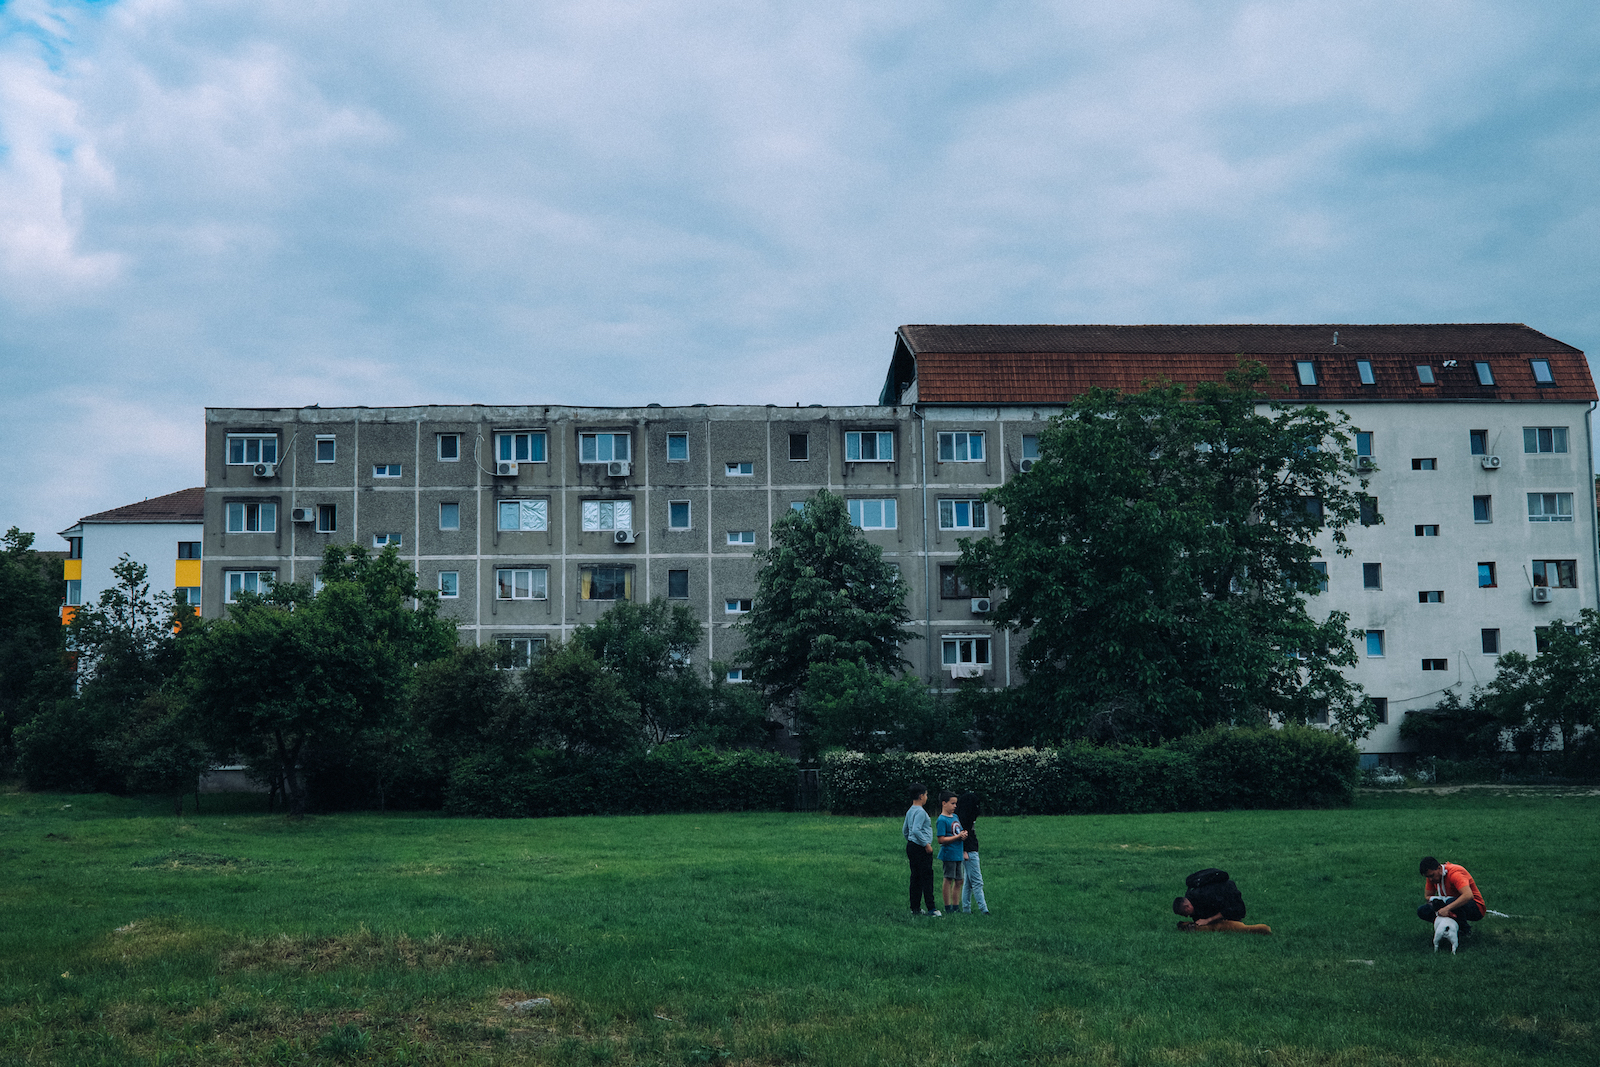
<point>1212,902</point>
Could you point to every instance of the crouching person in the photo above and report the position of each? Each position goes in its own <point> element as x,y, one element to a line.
<point>1449,892</point>
<point>1213,902</point>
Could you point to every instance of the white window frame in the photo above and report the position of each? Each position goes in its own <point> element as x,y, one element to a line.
<point>534,583</point>
<point>532,514</point>
<point>524,647</point>
<point>450,504</point>
<point>1540,507</point>
<point>330,512</point>
<point>333,447</point>
<point>739,469</point>
<point>235,582</point>
<point>239,516</point>
<point>978,650</point>
<point>1030,446</point>
<point>438,447</point>
<point>741,537</point>
<point>952,511</point>
<point>736,675</point>
<point>957,446</point>
<point>249,444</point>
<point>1488,508</point>
<point>734,605</point>
<point>882,446</point>
<point>678,438</point>
<point>451,589</point>
<point>388,470</point>
<point>602,447</point>
<point>520,446</point>
<point>384,540</point>
<point>1559,438</point>
<point>1380,654</point>
<point>688,515</point>
<point>74,593</point>
<point>888,508</point>
<point>602,516</point>
<point>1305,371</point>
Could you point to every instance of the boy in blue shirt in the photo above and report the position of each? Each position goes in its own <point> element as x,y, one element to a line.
<point>952,839</point>
<point>918,830</point>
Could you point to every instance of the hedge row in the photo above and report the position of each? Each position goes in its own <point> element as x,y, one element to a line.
<point>1289,768</point>
<point>667,779</point>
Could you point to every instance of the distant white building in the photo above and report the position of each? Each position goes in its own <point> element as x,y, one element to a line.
<point>164,533</point>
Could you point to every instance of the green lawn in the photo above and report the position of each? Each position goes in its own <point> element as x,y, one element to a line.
<point>130,937</point>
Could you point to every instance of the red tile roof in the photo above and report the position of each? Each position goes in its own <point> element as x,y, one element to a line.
<point>1053,364</point>
<point>186,505</point>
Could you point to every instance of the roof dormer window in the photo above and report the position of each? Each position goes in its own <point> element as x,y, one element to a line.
<point>1425,374</point>
<point>1306,371</point>
<point>1541,372</point>
<point>1485,373</point>
<point>1364,371</point>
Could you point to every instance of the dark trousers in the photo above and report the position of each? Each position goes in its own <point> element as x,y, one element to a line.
<point>921,861</point>
<point>1466,913</point>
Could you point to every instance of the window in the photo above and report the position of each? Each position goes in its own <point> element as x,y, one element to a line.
<point>735,606</point>
<point>1380,708</point>
<point>1556,573</point>
<point>386,470</point>
<point>384,540</point>
<point>1364,372</point>
<point>608,514</point>
<point>605,583</point>
<point>868,447</point>
<point>799,447</point>
<point>1544,439</point>
<point>187,594</point>
<point>1479,440</point>
<point>677,585</point>
<point>678,514</point>
<point>1306,371</point>
<point>252,518</point>
<point>1321,567</point>
<point>1435,664</point>
<point>1491,642</point>
<point>524,446</point>
<point>677,448</point>
<point>960,447</point>
<point>1364,443</point>
<point>449,447</point>
<point>955,651</point>
<point>873,514</point>
<point>188,549</point>
<point>1541,372</point>
<point>236,582</point>
<point>1425,375</point>
<point>74,592</point>
<point>525,515</point>
<point>1374,644</point>
<point>522,583</point>
<point>522,650</point>
<point>1369,511</point>
<point>741,537</point>
<point>962,515</point>
<point>1430,596</point>
<point>1486,576</point>
<point>739,470</point>
<point>449,516</point>
<point>736,675</point>
<point>1425,464</point>
<point>252,448</point>
<point>797,505</point>
<point>449,585</point>
<point>1549,507</point>
<point>1428,530</point>
<point>1372,576</point>
<point>1030,446</point>
<point>951,585</point>
<point>74,548</point>
<point>326,446</point>
<point>1485,373</point>
<point>1541,637</point>
<point>1481,511</point>
<point>602,447</point>
<point>327,518</point>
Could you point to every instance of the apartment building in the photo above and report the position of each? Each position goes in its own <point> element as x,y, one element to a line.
<point>164,533</point>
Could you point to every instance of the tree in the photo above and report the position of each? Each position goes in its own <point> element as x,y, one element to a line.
<point>1552,700</point>
<point>823,595</point>
<point>649,649</point>
<point>1159,558</point>
<point>300,667</point>
<point>850,705</point>
<point>572,702</point>
<point>33,664</point>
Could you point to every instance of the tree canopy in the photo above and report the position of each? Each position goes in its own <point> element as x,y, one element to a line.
<point>33,666</point>
<point>1159,556</point>
<point>1551,700</point>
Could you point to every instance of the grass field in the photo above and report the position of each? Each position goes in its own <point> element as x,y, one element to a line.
<point>232,937</point>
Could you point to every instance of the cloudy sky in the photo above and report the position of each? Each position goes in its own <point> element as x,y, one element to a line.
<point>219,202</point>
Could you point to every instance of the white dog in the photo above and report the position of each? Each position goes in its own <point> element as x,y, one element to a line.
<point>1446,929</point>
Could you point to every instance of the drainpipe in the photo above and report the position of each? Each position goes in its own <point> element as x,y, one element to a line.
<point>1594,542</point>
<point>927,585</point>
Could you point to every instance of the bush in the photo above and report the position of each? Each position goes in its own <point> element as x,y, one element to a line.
<point>1222,768</point>
<point>671,778</point>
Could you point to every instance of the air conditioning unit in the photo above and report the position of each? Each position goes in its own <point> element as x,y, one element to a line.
<point>620,468</point>
<point>1364,463</point>
<point>265,470</point>
<point>507,468</point>
<point>982,605</point>
<point>1027,465</point>
<point>624,537</point>
<point>302,515</point>
<point>1541,594</point>
<point>1490,463</point>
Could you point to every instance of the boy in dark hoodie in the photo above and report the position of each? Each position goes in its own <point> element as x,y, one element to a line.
<point>972,885</point>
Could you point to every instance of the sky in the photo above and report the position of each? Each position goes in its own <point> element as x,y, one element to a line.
<point>265,203</point>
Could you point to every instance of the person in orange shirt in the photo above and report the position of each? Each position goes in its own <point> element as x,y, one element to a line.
<point>1454,884</point>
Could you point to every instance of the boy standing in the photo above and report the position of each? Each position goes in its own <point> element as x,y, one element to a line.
<point>918,831</point>
<point>952,840</point>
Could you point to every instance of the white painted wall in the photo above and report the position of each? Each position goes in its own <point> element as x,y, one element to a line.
<point>155,544</point>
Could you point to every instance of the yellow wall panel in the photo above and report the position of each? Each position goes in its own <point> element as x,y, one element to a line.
<point>187,573</point>
<point>74,569</point>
